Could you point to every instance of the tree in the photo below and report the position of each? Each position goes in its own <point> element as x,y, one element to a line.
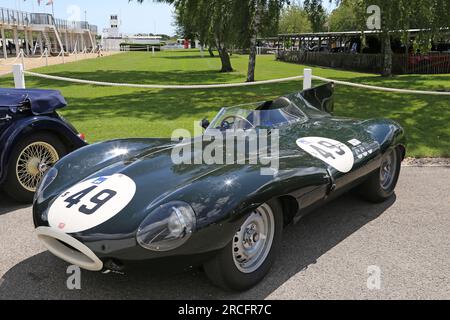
<point>431,16</point>
<point>346,16</point>
<point>264,20</point>
<point>211,21</point>
<point>294,19</point>
<point>226,23</point>
<point>316,14</point>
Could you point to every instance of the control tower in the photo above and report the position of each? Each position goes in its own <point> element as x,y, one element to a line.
<point>113,31</point>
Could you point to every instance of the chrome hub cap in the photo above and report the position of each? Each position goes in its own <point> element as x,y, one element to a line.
<point>253,241</point>
<point>388,170</point>
<point>33,162</point>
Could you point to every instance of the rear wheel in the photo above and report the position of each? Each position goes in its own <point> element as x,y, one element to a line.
<point>29,161</point>
<point>381,184</point>
<point>249,256</point>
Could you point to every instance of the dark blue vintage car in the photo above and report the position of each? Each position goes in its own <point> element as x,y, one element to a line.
<point>33,137</point>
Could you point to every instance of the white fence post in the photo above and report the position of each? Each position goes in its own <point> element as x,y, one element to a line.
<point>46,57</point>
<point>153,50</point>
<point>19,76</point>
<point>22,55</point>
<point>307,80</point>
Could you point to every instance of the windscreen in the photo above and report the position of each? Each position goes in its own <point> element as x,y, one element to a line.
<point>269,117</point>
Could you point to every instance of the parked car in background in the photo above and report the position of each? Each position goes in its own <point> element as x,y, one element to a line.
<point>33,137</point>
<point>433,62</point>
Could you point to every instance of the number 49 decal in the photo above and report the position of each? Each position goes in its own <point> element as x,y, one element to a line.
<point>332,152</point>
<point>99,199</point>
<point>91,203</point>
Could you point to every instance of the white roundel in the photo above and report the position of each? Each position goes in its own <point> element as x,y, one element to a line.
<point>330,151</point>
<point>91,203</point>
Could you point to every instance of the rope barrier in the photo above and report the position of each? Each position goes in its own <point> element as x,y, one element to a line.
<point>365,86</point>
<point>234,85</point>
<point>151,86</point>
<point>19,55</point>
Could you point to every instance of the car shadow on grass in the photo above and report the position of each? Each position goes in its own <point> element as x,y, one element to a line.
<point>7,205</point>
<point>44,276</point>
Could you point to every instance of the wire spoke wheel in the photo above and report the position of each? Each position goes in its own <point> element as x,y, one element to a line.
<point>32,163</point>
<point>253,242</point>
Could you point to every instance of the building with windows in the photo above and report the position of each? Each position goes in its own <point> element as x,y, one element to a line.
<point>113,39</point>
<point>35,32</point>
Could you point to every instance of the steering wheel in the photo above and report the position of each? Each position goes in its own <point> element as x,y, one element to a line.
<point>226,124</point>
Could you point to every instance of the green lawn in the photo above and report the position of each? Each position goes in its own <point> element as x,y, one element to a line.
<point>108,112</point>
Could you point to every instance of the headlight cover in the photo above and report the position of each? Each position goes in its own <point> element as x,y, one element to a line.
<point>46,180</point>
<point>168,227</point>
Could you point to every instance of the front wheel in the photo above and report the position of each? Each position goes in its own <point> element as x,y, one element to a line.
<point>249,256</point>
<point>381,184</point>
<point>30,159</point>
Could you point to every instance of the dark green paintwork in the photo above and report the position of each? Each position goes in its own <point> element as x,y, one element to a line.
<point>303,181</point>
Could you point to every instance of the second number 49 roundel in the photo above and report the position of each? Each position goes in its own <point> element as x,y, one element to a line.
<point>332,152</point>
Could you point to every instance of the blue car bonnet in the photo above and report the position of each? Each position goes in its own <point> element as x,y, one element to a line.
<point>40,101</point>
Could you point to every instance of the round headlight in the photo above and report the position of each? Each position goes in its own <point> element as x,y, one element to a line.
<point>168,227</point>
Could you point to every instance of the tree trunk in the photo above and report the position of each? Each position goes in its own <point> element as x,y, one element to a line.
<point>387,56</point>
<point>254,42</point>
<point>211,52</point>
<point>225,59</point>
<point>251,64</point>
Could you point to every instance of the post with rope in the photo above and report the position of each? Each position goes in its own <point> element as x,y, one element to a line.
<point>153,50</point>
<point>22,55</point>
<point>3,38</point>
<point>307,80</point>
<point>46,57</point>
<point>19,76</point>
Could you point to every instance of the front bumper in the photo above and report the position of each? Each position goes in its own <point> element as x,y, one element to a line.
<point>69,249</point>
<point>76,253</point>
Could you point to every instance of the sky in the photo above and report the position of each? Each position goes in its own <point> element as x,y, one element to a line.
<point>149,17</point>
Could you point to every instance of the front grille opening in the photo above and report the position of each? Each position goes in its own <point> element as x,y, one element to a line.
<point>68,246</point>
<point>69,249</point>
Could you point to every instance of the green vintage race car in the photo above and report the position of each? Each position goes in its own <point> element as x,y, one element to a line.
<point>111,205</point>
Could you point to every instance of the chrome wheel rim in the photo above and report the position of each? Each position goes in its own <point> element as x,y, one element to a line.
<point>253,241</point>
<point>33,162</point>
<point>388,170</point>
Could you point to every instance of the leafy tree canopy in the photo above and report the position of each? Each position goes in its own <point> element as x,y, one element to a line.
<point>294,19</point>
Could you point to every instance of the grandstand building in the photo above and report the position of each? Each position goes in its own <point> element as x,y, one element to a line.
<point>35,32</point>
